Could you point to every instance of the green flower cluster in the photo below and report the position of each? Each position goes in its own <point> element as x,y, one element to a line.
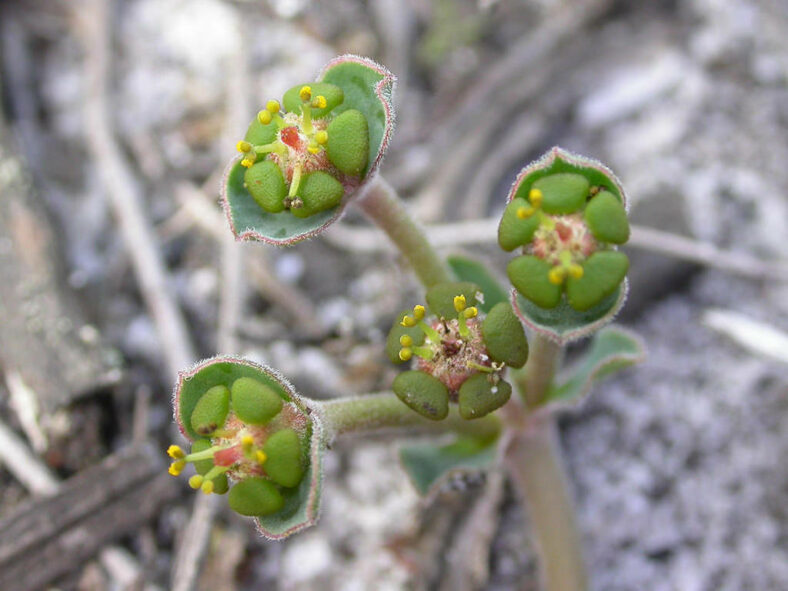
<point>568,224</point>
<point>458,355</point>
<point>305,158</point>
<point>250,433</point>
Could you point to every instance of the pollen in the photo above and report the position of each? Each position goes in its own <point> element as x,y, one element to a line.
<point>177,467</point>
<point>175,452</point>
<point>471,312</point>
<point>247,162</point>
<point>321,137</point>
<point>243,146</point>
<point>264,117</point>
<point>406,340</point>
<point>419,312</point>
<point>408,321</point>
<point>207,487</point>
<point>575,271</point>
<point>305,93</point>
<point>273,107</point>
<point>196,481</point>
<point>535,196</point>
<point>260,456</point>
<point>459,303</point>
<point>313,149</point>
<point>557,275</point>
<point>319,102</point>
<point>523,213</point>
<point>405,353</point>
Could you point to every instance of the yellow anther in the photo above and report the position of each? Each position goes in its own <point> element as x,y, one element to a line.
<point>321,137</point>
<point>459,303</point>
<point>243,146</point>
<point>418,312</point>
<point>175,452</point>
<point>196,481</point>
<point>264,117</point>
<point>575,271</point>
<point>557,275</point>
<point>524,212</point>
<point>406,340</point>
<point>535,196</point>
<point>272,107</point>
<point>247,442</point>
<point>207,487</point>
<point>260,456</point>
<point>405,353</point>
<point>471,312</point>
<point>247,163</point>
<point>305,93</point>
<point>313,149</point>
<point>408,321</point>
<point>177,467</point>
<point>319,102</point>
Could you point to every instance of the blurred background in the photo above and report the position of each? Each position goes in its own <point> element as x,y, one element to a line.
<point>117,269</point>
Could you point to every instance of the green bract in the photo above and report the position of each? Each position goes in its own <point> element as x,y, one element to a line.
<point>423,393</point>
<point>568,214</point>
<point>265,445</point>
<point>302,159</point>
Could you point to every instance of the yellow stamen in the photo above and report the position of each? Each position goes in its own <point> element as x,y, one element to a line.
<point>321,137</point>
<point>264,117</point>
<point>272,107</point>
<point>408,321</point>
<point>557,275</point>
<point>524,212</point>
<point>243,146</point>
<point>535,196</point>
<point>406,340</point>
<point>207,487</point>
<point>319,102</point>
<point>175,452</point>
<point>177,467</point>
<point>196,481</point>
<point>260,456</point>
<point>471,312</point>
<point>247,443</point>
<point>459,303</point>
<point>313,149</point>
<point>247,163</point>
<point>405,353</point>
<point>305,93</point>
<point>575,271</point>
<point>418,312</point>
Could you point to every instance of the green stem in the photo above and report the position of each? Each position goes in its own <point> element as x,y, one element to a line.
<point>379,412</point>
<point>533,459</point>
<point>381,204</point>
<point>534,382</point>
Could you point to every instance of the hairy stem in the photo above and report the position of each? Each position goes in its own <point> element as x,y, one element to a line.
<point>380,412</point>
<point>533,459</point>
<point>534,382</point>
<point>381,204</point>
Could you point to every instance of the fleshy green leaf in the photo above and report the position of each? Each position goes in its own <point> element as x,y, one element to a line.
<point>504,336</point>
<point>513,231</point>
<point>428,465</point>
<point>301,503</point>
<point>563,323</point>
<point>479,395</point>
<point>611,350</point>
<point>563,192</point>
<point>467,269</point>
<point>530,276</point>
<point>607,218</point>
<point>423,393</point>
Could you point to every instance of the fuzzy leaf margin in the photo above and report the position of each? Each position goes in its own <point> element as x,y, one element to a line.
<point>612,349</point>
<point>369,88</point>
<point>429,465</point>
<point>302,504</point>
<point>563,323</point>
